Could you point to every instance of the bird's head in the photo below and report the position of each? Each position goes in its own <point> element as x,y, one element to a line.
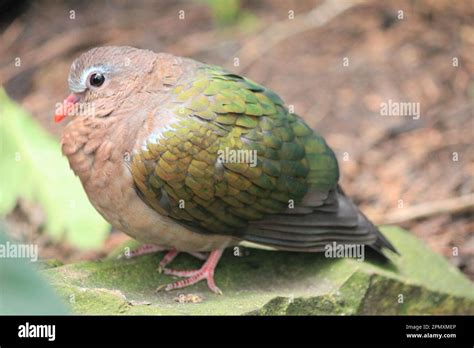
<point>102,77</point>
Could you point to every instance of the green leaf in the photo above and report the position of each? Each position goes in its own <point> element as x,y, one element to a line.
<point>24,291</point>
<point>32,167</point>
<point>224,12</point>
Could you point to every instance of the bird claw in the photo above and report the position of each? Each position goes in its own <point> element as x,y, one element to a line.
<point>193,276</point>
<point>161,288</point>
<point>172,254</point>
<point>217,291</point>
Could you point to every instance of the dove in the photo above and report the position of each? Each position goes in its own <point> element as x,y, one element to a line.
<point>190,157</point>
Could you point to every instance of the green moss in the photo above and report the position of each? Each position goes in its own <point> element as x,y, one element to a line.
<point>275,283</point>
<point>386,295</point>
<point>45,264</point>
<point>94,301</point>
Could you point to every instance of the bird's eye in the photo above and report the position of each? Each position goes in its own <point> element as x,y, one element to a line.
<point>96,79</point>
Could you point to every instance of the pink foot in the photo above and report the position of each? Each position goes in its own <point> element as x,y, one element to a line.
<point>170,255</point>
<point>194,276</point>
<point>144,249</point>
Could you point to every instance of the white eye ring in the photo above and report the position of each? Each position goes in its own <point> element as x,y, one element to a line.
<point>87,73</point>
<point>83,82</point>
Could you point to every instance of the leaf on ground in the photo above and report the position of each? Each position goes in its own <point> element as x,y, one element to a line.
<point>33,167</point>
<point>23,290</point>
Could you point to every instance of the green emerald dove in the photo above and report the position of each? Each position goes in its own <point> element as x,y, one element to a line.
<point>190,157</point>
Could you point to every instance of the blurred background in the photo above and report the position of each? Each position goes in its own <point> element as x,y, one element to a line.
<point>334,62</point>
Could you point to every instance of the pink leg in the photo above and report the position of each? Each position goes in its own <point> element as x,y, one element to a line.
<point>144,249</point>
<point>200,256</point>
<point>194,276</point>
<point>170,255</point>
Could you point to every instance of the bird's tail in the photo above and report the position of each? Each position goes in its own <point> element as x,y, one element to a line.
<point>381,242</point>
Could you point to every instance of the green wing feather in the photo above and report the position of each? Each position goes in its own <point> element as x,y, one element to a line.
<point>178,173</point>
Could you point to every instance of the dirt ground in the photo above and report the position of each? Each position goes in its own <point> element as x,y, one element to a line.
<point>335,69</point>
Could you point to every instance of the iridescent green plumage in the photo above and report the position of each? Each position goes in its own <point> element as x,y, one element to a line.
<point>216,113</point>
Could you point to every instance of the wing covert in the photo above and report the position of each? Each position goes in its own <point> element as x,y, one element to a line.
<point>183,171</point>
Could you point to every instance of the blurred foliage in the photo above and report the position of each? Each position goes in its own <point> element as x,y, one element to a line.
<point>230,13</point>
<point>33,168</point>
<point>23,290</point>
<point>225,12</point>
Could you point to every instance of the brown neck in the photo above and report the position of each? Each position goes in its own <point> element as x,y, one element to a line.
<point>94,147</point>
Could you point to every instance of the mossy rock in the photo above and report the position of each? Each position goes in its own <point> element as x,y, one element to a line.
<point>274,283</point>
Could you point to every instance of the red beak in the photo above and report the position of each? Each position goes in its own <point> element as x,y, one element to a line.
<point>68,107</point>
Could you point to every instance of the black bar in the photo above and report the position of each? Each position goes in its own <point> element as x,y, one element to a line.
<point>136,330</point>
